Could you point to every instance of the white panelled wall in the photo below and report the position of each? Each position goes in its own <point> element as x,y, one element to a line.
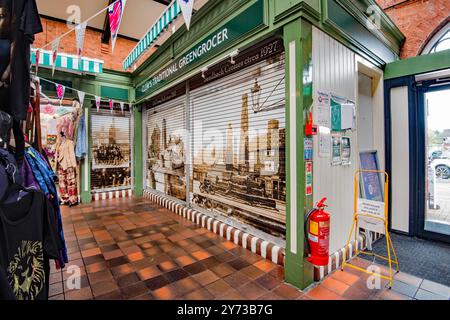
<point>335,70</point>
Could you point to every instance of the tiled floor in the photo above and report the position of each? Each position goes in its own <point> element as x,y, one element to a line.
<point>131,249</point>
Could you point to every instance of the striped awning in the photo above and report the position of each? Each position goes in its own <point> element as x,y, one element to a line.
<point>166,19</point>
<point>67,62</point>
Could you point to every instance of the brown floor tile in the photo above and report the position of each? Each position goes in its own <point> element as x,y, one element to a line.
<point>286,291</point>
<point>148,273</point>
<point>165,293</point>
<point>104,287</point>
<point>90,252</point>
<point>114,295</point>
<point>237,279</point>
<point>167,266</point>
<point>270,296</point>
<point>223,270</point>
<point>201,254</point>
<point>156,282</point>
<point>97,277</point>
<point>127,280</point>
<point>199,294</point>
<point>134,290</point>
<point>218,288</point>
<point>345,277</point>
<point>264,265</point>
<point>176,275</point>
<point>121,270</point>
<point>55,277</point>
<point>268,282</point>
<point>57,297</point>
<point>322,293</point>
<point>252,272</point>
<point>335,285</point>
<point>206,277</point>
<point>82,294</point>
<point>232,295</point>
<point>195,268</point>
<point>184,260</point>
<point>96,267</point>
<point>184,286</point>
<point>238,264</point>
<point>252,290</point>
<point>113,254</point>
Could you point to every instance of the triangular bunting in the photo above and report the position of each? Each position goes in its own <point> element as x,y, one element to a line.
<point>80,31</point>
<point>81,96</point>
<point>60,91</point>
<point>115,14</point>
<point>111,105</point>
<point>55,48</point>
<point>187,7</point>
<point>97,103</point>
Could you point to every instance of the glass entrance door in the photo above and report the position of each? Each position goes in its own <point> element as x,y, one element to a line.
<point>436,111</point>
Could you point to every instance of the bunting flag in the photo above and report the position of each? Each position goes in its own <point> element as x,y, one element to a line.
<point>81,96</point>
<point>187,6</point>
<point>38,56</point>
<point>122,105</point>
<point>115,13</point>
<point>60,90</point>
<point>97,103</point>
<point>111,105</point>
<point>55,48</point>
<point>80,31</point>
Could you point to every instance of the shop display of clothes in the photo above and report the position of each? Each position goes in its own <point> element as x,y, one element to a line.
<point>29,236</point>
<point>66,164</point>
<point>45,178</point>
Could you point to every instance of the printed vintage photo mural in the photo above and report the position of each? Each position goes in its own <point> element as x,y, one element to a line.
<point>111,152</point>
<point>166,150</point>
<point>238,147</point>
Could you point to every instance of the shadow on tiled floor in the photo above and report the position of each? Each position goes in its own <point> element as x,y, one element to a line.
<point>132,249</point>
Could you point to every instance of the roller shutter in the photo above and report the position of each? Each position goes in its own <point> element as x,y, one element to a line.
<point>111,150</point>
<point>238,146</point>
<point>166,136</point>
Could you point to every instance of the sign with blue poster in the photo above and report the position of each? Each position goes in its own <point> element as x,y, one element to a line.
<point>372,188</point>
<point>308,149</point>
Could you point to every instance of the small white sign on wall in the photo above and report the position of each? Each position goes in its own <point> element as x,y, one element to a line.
<point>376,221</point>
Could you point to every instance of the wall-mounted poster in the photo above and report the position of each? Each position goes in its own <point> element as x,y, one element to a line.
<point>111,151</point>
<point>239,149</point>
<point>346,151</point>
<point>324,142</point>
<point>336,150</point>
<point>372,187</point>
<point>323,109</point>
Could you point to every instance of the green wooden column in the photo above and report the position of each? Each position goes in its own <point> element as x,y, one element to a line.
<point>85,171</point>
<point>137,156</point>
<point>298,45</point>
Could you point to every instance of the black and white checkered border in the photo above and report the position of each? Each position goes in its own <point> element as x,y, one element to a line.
<point>258,246</point>
<point>335,261</point>
<point>111,194</point>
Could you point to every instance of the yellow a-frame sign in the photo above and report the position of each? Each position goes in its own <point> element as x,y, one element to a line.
<point>373,216</point>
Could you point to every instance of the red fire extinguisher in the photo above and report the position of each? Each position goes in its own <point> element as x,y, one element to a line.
<point>318,233</point>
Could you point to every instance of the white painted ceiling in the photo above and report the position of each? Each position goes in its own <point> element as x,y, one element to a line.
<point>139,15</point>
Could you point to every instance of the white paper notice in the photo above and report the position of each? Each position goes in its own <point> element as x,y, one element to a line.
<point>373,215</point>
<point>324,142</point>
<point>323,109</point>
<point>347,116</point>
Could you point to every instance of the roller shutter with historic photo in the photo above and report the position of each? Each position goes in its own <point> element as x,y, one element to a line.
<point>111,150</point>
<point>238,146</point>
<point>166,136</point>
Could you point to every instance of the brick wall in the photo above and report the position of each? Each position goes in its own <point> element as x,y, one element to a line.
<point>93,47</point>
<point>418,20</point>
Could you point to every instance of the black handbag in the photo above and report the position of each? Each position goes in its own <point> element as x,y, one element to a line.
<point>6,123</point>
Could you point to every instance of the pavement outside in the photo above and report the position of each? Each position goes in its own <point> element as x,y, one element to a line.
<point>132,249</point>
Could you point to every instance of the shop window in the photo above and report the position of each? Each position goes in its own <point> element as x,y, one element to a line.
<point>439,42</point>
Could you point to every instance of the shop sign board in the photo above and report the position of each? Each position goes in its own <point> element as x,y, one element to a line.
<point>372,215</point>
<point>213,43</point>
